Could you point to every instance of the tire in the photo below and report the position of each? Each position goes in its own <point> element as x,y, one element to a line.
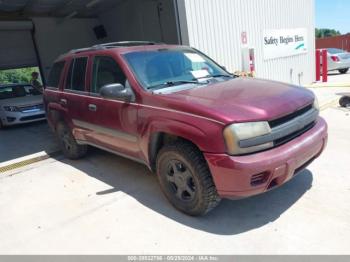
<point>70,148</point>
<point>344,101</point>
<point>185,179</point>
<point>343,71</point>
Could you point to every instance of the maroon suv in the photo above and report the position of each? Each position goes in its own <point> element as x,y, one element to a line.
<point>206,133</point>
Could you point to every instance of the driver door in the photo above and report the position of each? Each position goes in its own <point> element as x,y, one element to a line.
<point>113,122</point>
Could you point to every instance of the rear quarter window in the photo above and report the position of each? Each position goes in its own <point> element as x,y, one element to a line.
<point>76,74</point>
<point>55,74</point>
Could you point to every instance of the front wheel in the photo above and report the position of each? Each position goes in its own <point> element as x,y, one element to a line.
<point>185,179</point>
<point>343,71</point>
<point>70,148</point>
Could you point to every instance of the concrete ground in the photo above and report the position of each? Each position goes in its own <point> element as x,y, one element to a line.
<point>105,204</point>
<point>23,140</point>
<point>330,95</point>
<point>336,77</point>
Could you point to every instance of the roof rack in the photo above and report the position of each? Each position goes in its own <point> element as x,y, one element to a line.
<point>113,45</point>
<point>127,43</point>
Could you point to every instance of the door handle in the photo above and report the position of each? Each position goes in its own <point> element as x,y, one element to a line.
<point>92,107</point>
<point>63,101</point>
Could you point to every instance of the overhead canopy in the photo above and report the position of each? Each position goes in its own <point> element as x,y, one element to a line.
<point>16,45</point>
<point>55,8</point>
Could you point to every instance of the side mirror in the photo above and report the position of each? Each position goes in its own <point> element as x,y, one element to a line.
<point>116,91</point>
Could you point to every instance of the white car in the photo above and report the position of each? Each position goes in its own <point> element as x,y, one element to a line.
<point>20,103</point>
<point>338,59</point>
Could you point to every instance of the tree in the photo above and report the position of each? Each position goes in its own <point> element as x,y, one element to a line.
<point>21,75</point>
<point>325,32</point>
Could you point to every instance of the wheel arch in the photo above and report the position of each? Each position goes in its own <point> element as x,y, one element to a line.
<point>55,114</point>
<point>160,133</point>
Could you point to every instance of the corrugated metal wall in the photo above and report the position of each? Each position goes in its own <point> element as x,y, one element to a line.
<point>341,41</point>
<point>215,26</point>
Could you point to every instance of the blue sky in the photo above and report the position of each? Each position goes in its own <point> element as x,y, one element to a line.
<point>333,14</point>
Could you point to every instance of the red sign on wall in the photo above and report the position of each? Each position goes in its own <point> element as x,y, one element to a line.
<point>244,38</point>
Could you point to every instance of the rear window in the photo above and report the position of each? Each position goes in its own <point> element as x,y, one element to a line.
<point>335,50</point>
<point>76,75</point>
<point>55,74</point>
<point>8,92</point>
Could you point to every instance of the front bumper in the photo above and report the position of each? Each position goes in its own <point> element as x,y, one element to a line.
<point>244,176</point>
<point>14,118</point>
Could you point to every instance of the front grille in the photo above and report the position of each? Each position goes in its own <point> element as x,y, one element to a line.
<point>305,125</point>
<point>285,128</point>
<point>284,119</point>
<point>31,108</point>
<point>291,136</point>
<point>28,118</point>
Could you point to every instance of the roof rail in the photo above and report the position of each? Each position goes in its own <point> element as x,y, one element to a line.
<point>76,51</point>
<point>113,45</point>
<point>127,43</point>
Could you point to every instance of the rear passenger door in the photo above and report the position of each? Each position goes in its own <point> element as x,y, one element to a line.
<point>113,122</point>
<point>74,90</point>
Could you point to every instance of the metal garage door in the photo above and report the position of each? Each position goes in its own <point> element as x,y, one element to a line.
<point>16,45</point>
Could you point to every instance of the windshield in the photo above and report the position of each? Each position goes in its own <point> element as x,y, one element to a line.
<point>8,92</point>
<point>167,67</point>
<point>335,50</point>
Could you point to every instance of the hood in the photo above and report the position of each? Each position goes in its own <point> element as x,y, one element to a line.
<point>244,99</point>
<point>22,101</point>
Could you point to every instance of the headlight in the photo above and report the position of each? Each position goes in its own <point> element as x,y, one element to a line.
<point>316,105</point>
<point>11,108</point>
<point>235,133</point>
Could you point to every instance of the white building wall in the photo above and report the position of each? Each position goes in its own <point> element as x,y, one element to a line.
<point>215,26</point>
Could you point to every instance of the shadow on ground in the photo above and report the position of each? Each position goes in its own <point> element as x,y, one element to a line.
<point>22,140</point>
<point>335,73</point>
<point>229,218</point>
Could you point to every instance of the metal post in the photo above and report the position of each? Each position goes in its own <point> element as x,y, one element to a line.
<point>318,65</point>
<point>324,66</point>
<point>36,50</point>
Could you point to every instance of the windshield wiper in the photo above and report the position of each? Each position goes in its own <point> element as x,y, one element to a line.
<point>213,76</point>
<point>222,75</point>
<point>174,83</point>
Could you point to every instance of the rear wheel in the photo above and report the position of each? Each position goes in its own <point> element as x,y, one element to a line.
<point>344,101</point>
<point>185,179</point>
<point>343,71</point>
<point>70,148</point>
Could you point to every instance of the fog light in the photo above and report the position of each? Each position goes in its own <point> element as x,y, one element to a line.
<point>10,119</point>
<point>259,179</point>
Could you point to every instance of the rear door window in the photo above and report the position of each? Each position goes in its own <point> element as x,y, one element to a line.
<point>55,74</point>
<point>76,74</point>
